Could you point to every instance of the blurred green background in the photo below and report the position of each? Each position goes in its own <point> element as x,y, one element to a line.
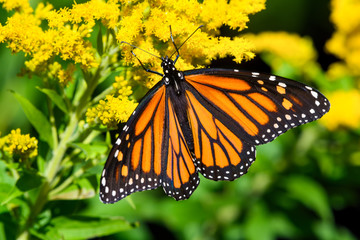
<point>304,185</point>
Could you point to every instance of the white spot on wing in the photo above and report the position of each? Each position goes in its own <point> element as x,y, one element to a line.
<point>315,94</point>
<point>103,181</point>
<point>281,84</point>
<point>255,74</point>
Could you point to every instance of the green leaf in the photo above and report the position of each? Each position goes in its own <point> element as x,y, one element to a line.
<point>92,150</point>
<point>310,193</point>
<point>8,227</point>
<point>8,192</point>
<point>100,45</point>
<point>2,231</point>
<point>83,227</point>
<point>82,189</point>
<point>55,97</point>
<point>28,180</point>
<point>36,118</point>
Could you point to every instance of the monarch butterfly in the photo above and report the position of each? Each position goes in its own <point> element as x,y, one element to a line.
<point>204,121</point>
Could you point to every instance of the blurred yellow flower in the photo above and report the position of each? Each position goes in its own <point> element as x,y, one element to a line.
<point>345,42</point>
<point>291,48</point>
<point>344,111</point>
<point>19,5</point>
<point>19,144</point>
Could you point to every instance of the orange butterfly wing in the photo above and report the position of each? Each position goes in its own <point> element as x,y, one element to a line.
<point>150,152</point>
<point>210,122</point>
<point>230,112</point>
<point>135,161</point>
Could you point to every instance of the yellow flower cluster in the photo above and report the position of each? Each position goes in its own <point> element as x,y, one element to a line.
<point>65,35</point>
<point>50,37</point>
<point>147,22</point>
<point>286,47</point>
<point>64,76</point>
<point>19,5</point>
<point>121,86</point>
<point>345,42</point>
<point>18,144</point>
<point>345,110</point>
<point>113,109</point>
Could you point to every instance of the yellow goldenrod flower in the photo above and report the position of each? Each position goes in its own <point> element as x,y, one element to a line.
<point>344,111</point>
<point>287,47</point>
<point>64,76</point>
<point>121,86</point>
<point>114,109</point>
<point>46,34</point>
<point>345,42</point>
<point>145,23</point>
<point>111,111</point>
<point>65,37</point>
<point>19,144</point>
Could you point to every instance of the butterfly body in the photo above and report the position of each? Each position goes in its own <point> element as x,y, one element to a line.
<point>204,121</point>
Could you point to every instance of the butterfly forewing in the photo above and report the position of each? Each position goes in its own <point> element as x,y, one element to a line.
<point>151,151</point>
<point>256,107</point>
<point>135,161</point>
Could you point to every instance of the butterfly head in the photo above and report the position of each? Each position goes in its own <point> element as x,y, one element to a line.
<point>168,65</point>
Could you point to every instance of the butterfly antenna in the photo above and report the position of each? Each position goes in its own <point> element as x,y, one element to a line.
<point>177,48</point>
<point>141,49</point>
<point>142,65</point>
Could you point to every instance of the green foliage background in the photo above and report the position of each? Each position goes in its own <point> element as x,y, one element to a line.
<point>305,184</point>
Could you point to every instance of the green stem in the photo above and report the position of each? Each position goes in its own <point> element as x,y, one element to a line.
<point>53,124</point>
<point>36,209</point>
<point>66,183</point>
<point>59,152</point>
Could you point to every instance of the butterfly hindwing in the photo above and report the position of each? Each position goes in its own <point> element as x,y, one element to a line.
<point>181,178</point>
<point>220,153</point>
